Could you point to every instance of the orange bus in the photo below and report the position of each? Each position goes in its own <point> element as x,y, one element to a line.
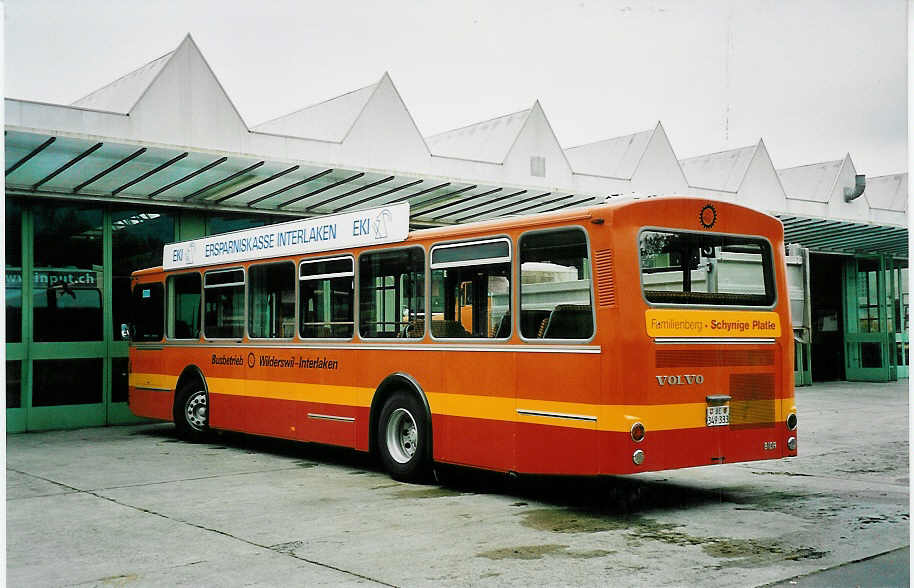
<point>646,334</point>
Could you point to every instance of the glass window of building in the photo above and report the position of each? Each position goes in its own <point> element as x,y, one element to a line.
<point>223,304</point>
<point>13,384</point>
<point>137,238</point>
<point>392,293</point>
<point>471,290</point>
<point>183,306</point>
<point>271,300</point>
<point>68,273</point>
<point>13,271</point>
<point>326,298</point>
<point>224,223</point>
<point>52,381</point>
<point>555,278</point>
<point>119,379</point>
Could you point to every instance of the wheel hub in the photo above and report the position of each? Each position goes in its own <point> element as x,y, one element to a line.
<point>402,435</point>
<point>195,410</point>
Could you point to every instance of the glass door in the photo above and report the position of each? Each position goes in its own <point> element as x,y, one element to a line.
<point>15,291</point>
<point>900,309</point>
<point>67,277</point>
<point>64,330</point>
<point>869,326</point>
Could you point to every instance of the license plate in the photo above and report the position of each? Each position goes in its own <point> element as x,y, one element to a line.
<point>718,415</point>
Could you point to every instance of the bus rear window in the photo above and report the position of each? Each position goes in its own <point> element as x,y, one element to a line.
<point>706,269</point>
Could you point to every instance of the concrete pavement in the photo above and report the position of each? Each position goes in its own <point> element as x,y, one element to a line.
<point>135,506</point>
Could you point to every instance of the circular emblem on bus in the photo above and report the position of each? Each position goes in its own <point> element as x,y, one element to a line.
<point>708,216</point>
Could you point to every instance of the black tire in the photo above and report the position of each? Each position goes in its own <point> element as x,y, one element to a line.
<point>191,412</point>
<point>403,438</point>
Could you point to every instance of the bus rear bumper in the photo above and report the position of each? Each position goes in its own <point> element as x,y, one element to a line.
<point>683,448</point>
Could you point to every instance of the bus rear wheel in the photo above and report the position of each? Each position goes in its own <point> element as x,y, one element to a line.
<point>191,412</point>
<point>402,438</point>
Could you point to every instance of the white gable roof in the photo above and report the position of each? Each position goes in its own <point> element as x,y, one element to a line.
<point>617,157</point>
<point>327,121</point>
<point>888,192</point>
<point>121,94</point>
<point>814,182</point>
<point>719,171</point>
<point>489,140</point>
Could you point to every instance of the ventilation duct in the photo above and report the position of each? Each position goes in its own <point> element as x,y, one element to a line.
<point>857,190</point>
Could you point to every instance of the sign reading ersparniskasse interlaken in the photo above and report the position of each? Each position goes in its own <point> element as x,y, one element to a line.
<point>387,224</point>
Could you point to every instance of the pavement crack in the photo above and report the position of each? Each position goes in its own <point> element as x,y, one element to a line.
<point>251,473</point>
<point>274,549</point>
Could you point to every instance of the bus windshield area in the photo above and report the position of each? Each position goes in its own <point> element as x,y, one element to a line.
<point>706,269</point>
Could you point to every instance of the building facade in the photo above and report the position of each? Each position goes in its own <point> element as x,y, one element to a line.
<point>96,188</point>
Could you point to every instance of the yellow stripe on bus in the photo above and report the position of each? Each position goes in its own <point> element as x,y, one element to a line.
<point>610,417</point>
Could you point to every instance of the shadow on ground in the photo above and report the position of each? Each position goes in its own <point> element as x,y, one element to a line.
<point>604,495</point>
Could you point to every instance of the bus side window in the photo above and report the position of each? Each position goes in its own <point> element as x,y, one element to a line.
<point>471,289</point>
<point>147,312</point>
<point>392,293</point>
<point>555,285</point>
<point>223,304</point>
<point>183,308</point>
<point>326,298</point>
<point>271,300</point>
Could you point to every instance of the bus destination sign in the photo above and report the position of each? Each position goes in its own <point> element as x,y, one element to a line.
<point>388,224</point>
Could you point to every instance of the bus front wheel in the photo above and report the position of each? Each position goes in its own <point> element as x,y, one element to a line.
<point>402,436</point>
<point>191,412</point>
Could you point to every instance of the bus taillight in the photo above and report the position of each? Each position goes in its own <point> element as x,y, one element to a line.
<point>637,432</point>
<point>792,422</point>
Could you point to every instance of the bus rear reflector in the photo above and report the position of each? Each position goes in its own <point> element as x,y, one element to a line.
<point>637,432</point>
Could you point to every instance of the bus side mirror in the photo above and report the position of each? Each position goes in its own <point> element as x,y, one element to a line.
<point>125,332</point>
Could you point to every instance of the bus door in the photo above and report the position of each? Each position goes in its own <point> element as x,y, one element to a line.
<point>324,376</point>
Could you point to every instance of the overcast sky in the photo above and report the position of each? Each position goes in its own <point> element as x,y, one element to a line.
<point>814,79</point>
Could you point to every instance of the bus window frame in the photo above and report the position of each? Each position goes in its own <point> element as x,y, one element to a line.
<point>593,310</point>
<point>247,301</point>
<point>244,310</point>
<point>766,272</point>
<point>358,295</point>
<point>169,306</point>
<point>487,261</point>
<point>355,295</point>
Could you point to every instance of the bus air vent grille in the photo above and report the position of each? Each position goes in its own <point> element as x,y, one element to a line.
<point>669,358</point>
<point>753,403</point>
<point>606,282</point>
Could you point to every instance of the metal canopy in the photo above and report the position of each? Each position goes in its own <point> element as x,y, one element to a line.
<point>63,166</point>
<point>77,167</point>
<point>833,236</point>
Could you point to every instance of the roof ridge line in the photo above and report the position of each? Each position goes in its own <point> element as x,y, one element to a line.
<point>810,164</point>
<point>752,146</point>
<point>609,139</point>
<point>304,108</point>
<point>527,110</point>
<point>116,80</point>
